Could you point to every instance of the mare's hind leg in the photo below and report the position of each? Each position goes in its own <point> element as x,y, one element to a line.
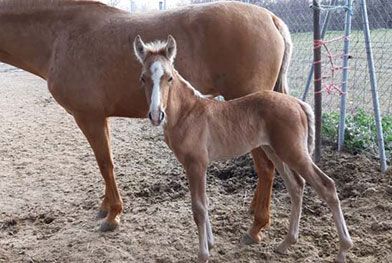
<point>295,185</point>
<point>96,131</point>
<point>260,205</point>
<point>325,187</point>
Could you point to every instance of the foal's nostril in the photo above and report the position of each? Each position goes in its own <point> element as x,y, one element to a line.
<point>161,116</point>
<point>150,116</point>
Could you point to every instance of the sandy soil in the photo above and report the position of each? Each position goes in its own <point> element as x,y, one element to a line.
<point>50,189</point>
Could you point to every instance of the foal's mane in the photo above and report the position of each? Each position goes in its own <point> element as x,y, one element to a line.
<point>156,47</point>
<point>32,5</point>
<point>189,86</point>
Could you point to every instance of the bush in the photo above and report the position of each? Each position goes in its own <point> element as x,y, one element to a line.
<point>360,132</point>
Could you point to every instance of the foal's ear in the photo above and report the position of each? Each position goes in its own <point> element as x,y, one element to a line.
<point>171,48</point>
<point>139,48</point>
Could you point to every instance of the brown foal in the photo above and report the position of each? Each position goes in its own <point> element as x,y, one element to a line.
<point>200,130</point>
<point>82,49</point>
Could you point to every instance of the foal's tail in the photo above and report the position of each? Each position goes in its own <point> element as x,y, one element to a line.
<point>310,117</point>
<point>281,84</point>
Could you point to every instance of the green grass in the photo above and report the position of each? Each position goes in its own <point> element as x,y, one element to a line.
<point>360,132</point>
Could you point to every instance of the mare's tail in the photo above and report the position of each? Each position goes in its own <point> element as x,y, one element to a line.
<point>281,84</point>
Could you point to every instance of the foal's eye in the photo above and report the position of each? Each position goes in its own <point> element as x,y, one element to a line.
<point>170,79</point>
<point>142,80</point>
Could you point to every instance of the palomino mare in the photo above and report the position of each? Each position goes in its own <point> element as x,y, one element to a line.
<point>82,49</point>
<point>228,129</point>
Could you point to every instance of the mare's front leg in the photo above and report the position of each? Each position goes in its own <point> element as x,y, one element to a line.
<point>196,173</point>
<point>96,130</point>
<point>261,202</point>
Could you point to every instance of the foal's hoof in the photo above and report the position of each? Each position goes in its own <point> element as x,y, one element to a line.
<point>102,214</point>
<point>203,257</point>
<point>210,245</point>
<point>106,226</point>
<point>281,249</point>
<point>248,240</point>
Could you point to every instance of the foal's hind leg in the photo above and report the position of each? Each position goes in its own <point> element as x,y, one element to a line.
<point>97,132</point>
<point>260,205</point>
<point>295,185</point>
<point>326,189</point>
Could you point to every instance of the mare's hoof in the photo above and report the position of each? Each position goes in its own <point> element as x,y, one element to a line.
<point>102,214</point>
<point>251,211</point>
<point>106,226</point>
<point>248,240</point>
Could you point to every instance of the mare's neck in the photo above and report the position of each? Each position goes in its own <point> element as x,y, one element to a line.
<point>29,33</point>
<point>182,99</point>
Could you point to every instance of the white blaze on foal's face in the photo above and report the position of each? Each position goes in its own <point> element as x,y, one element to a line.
<point>157,108</point>
<point>157,60</point>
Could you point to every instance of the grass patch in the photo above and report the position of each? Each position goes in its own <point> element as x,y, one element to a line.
<point>360,132</point>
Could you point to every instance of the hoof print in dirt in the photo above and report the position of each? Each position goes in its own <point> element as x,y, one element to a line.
<point>48,219</point>
<point>8,224</point>
<point>163,191</point>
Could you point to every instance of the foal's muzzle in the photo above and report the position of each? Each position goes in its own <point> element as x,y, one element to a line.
<point>156,117</point>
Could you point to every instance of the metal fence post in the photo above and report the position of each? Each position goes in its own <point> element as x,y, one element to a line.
<point>373,84</point>
<point>317,78</point>
<point>343,98</point>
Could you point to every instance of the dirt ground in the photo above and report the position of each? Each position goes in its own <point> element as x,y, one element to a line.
<point>50,189</point>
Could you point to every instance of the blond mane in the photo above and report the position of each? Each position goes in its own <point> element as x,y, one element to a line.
<point>157,46</point>
<point>189,86</point>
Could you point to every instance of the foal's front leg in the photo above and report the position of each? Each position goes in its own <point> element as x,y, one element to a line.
<point>196,173</point>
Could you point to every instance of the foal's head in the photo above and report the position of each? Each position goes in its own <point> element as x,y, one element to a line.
<point>157,74</point>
